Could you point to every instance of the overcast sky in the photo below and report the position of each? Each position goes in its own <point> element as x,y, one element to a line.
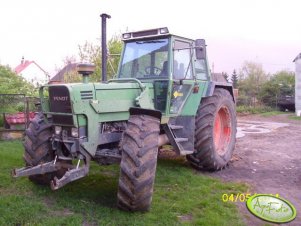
<point>264,31</point>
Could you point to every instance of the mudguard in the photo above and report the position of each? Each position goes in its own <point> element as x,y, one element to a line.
<point>224,85</point>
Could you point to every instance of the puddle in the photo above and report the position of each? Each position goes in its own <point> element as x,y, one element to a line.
<point>256,127</point>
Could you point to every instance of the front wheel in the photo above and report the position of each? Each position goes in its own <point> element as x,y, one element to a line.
<point>38,148</point>
<point>215,131</point>
<point>139,147</point>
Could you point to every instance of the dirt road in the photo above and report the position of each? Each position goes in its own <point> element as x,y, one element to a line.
<point>268,157</point>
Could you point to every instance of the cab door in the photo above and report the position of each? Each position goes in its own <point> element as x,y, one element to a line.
<point>189,76</point>
<point>182,75</point>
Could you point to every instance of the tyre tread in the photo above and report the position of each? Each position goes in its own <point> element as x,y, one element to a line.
<point>204,157</point>
<point>138,163</point>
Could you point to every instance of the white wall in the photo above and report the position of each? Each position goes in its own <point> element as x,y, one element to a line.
<point>34,75</point>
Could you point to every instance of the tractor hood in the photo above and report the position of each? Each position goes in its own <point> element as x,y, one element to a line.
<point>119,97</point>
<point>110,101</point>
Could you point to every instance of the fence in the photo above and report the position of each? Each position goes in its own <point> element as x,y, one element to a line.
<point>16,111</point>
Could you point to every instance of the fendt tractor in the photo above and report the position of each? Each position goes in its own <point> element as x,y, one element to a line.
<point>163,94</point>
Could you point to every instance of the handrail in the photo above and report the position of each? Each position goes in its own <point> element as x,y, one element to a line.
<point>142,87</point>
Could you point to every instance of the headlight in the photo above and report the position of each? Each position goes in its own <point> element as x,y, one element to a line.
<point>126,35</point>
<point>164,30</point>
<point>57,130</point>
<point>74,132</point>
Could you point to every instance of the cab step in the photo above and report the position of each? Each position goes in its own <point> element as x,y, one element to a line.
<point>185,152</point>
<point>181,139</point>
<point>171,130</point>
<point>174,127</point>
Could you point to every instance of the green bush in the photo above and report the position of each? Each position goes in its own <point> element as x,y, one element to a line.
<point>20,107</point>
<point>244,100</point>
<point>279,85</point>
<point>253,110</point>
<point>1,120</point>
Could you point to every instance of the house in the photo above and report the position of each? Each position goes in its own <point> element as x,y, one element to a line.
<point>297,61</point>
<point>60,76</point>
<point>218,77</point>
<point>32,72</point>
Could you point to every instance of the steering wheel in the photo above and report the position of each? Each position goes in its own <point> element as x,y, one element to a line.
<point>155,69</point>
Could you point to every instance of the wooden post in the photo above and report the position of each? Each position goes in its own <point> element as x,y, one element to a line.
<point>27,113</point>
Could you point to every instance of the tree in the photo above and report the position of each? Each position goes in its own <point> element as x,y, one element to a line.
<point>70,72</point>
<point>280,84</point>
<point>115,48</point>
<point>92,53</point>
<point>252,77</point>
<point>11,83</point>
<point>234,79</point>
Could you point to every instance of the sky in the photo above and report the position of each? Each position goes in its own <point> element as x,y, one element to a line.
<point>262,31</point>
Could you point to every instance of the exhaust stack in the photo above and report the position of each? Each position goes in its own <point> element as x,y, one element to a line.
<point>104,51</point>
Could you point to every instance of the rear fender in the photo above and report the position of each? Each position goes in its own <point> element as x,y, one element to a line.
<point>222,85</point>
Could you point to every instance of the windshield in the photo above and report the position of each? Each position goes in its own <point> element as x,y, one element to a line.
<point>145,59</point>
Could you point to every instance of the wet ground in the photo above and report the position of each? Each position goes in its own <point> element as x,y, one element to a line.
<point>267,156</point>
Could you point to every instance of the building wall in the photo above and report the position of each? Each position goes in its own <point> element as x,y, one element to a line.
<point>34,75</point>
<point>298,87</point>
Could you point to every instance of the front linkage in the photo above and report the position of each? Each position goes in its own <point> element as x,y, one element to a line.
<point>73,174</point>
<point>46,164</point>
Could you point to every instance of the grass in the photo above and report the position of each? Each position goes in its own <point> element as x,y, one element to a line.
<point>182,196</point>
<point>253,110</point>
<point>262,110</point>
<point>294,117</point>
<point>272,113</point>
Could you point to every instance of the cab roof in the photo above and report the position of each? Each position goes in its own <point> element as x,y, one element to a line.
<point>151,33</point>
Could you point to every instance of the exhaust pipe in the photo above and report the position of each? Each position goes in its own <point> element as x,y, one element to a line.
<point>104,52</point>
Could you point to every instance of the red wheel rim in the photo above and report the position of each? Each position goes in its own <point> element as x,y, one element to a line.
<point>222,130</point>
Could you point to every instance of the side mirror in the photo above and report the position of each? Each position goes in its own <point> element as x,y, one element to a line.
<point>200,49</point>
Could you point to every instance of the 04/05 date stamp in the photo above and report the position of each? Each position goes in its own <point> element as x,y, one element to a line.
<point>239,197</point>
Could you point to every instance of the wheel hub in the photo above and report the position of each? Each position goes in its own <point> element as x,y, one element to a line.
<point>222,130</point>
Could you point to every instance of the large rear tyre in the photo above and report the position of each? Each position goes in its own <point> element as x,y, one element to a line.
<point>138,163</point>
<point>38,148</point>
<point>215,131</point>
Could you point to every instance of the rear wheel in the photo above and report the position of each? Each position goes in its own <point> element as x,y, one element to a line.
<point>215,131</point>
<point>38,148</point>
<point>138,163</point>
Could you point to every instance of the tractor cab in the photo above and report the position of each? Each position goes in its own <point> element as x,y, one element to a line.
<point>165,62</point>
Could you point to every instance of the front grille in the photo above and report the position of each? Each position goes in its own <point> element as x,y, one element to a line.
<point>86,95</point>
<point>60,103</point>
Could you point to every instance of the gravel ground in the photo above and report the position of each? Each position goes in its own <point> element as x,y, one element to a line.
<point>267,156</point>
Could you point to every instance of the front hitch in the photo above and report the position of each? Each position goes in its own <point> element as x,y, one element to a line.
<point>73,174</point>
<point>38,169</point>
<point>69,176</point>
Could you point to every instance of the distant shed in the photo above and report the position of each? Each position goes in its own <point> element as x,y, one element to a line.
<point>59,77</point>
<point>297,61</point>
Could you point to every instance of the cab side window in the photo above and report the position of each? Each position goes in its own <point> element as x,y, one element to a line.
<point>182,68</point>
<point>200,69</point>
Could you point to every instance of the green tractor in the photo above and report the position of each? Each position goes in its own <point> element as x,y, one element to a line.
<point>163,94</point>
